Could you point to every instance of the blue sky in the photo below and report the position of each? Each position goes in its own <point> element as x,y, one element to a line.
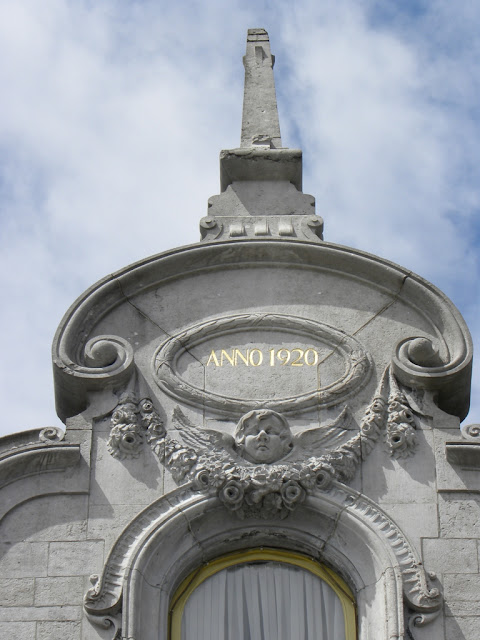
<point>113,114</point>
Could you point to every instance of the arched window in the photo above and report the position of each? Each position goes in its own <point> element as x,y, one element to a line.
<point>263,594</point>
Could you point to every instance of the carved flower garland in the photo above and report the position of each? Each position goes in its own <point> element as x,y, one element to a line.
<point>267,490</point>
<point>264,490</point>
<point>401,435</point>
<point>126,435</point>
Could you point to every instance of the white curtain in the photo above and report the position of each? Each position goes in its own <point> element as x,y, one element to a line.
<point>263,601</point>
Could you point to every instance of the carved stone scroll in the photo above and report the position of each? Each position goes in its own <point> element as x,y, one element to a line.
<point>105,361</point>
<point>418,363</point>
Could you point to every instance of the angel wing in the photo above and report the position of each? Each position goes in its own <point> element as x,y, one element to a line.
<point>319,440</point>
<point>201,440</point>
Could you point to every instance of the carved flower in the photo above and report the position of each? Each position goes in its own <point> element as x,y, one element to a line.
<point>292,494</point>
<point>156,430</point>
<point>272,504</point>
<point>307,478</point>
<point>267,481</point>
<point>378,405</point>
<point>232,495</point>
<point>146,405</point>
<point>370,424</point>
<point>201,481</point>
<point>402,415</point>
<point>182,457</point>
<point>323,478</point>
<point>125,441</point>
<point>401,440</point>
<point>125,413</point>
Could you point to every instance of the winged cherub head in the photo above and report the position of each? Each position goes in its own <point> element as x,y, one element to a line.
<point>262,436</point>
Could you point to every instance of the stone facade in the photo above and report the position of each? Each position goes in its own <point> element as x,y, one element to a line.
<point>167,375</point>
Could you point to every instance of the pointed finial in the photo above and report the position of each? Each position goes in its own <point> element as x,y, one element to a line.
<point>261,181</point>
<point>260,124</point>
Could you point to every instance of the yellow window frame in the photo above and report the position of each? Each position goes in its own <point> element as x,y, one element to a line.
<point>201,574</point>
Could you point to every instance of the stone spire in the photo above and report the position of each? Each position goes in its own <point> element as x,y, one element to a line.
<point>261,182</point>
<point>260,115</point>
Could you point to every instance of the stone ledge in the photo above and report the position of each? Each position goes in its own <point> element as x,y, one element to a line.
<point>39,458</point>
<point>463,454</point>
<point>260,163</point>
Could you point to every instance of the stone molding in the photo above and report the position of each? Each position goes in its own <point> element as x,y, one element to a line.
<point>358,364</point>
<point>81,366</point>
<point>116,596</point>
<point>465,454</point>
<point>260,163</point>
<point>35,452</point>
<point>295,228</point>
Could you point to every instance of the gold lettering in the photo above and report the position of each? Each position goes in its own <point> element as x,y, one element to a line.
<point>238,354</point>
<point>296,357</point>
<point>214,358</point>
<point>272,357</point>
<point>297,363</point>
<point>307,358</point>
<point>284,356</point>
<point>229,358</point>
<point>260,357</point>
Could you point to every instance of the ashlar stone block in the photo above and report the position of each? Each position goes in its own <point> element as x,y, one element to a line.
<point>58,630</point>
<point>75,558</point>
<point>462,587</point>
<point>60,517</point>
<point>18,630</point>
<point>16,592</point>
<point>459,515</point>
<point>25,614</point>
<point>23,559</point>
<point>450,555</point>
<point>59,591</point>
<point>127,482</point>
<point>386,479</point>
<point>467,628</point>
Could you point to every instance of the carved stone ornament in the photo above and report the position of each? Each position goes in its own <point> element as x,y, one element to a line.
<point>298,227</point>
<point>264,470</point>
<point>357,363</point>
<point>401,435</point>
<point>168,519</point>
<point>130,422</point>
<point>471,432</point>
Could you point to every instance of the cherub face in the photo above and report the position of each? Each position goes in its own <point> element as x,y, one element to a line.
<point>263,436</point>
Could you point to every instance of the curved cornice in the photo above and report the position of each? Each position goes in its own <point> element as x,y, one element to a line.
<point>38,451</point>
<point>82,363</point>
